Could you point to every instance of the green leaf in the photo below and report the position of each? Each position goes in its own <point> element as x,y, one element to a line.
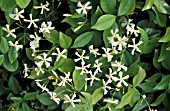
<point>29,52</point>
<point>23,3</point>
<point>64,41</point>
<point>10,67</point>
<point>1,59</point>
<point>159,99</point>
<point>125,99</point>
<point>162,6</point>
<point>12,54</point>
<point>161,18</point>
<point>163,84</point>
<point>23,37</point>
<point>52,37</point>
<point>17,99</point>
<point>139,77</point>
<point>30,95</point>
<point>3,45</point>
<point>76,108</point>
<point>148,86</point>
<point>148,5</point>
<point>14,85</point>
<point>96,15</point>
<point>125,6</point>
<point>104,22</point>
<point>89,100</point>
<point>82,40</point>
<point>79,80</point>
<point>166,37</point>
<point>164,54</point>
<point>108,6</point>
<point>25,107</point>
<point>155,59</point>
<point>67,66</point>
<point>97,95</point>
<point>144,38</point>
<point>8,5</point>
<point>45,99</point>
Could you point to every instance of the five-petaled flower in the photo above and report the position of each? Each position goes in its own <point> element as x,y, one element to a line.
<point>71,100</point>
<point>107,54</point>
<point>121,79</point>
<point>92,77</point>
<point>44,59</point>
<point>32,21</point>
<point>46,27</point>
<point>17,47</point>
<point>43,7</point>
<point>81,57</point>
<point>119,65</point>
<point>17,15</point>
<point>135,46</point>
<point>60,54</point>
<point>10,32</point>
<point>83,8</point>
<point>65,79</point>
<point>35,43</point>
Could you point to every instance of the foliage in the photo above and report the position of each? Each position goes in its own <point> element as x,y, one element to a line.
<point>80,55</point>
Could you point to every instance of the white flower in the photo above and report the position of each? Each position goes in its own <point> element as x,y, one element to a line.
<point>110,75</point>
<point>71,100</point>
<point>83,7</point>
<point>111,100</point>
<point>46,27</point>
<point>81,57</point>
<point>131,30</point>
<point>94,51</point>
<point>44,59</point>
<point>10,32</point>
<point>53,96</point>
<point>65,79</point>
<point>127,23</point>
<point>43,87</point>
<point>35,43</point>
<point>31,21</point>
<point>38,69</point>
<point>121,80</point>
<point>83,68</point>
<point>114,35</point>
<point>60,54</point>
<point>119,66</point>
<point>105,86</point>
<point>43,7</point>
<point>121,42</point>
<point>67,15</point>
<point>26,70</point>
<point>97,65</point>
<point>17,14</point>
<point>107,54</point>
<point>17,47</point>
<point>114,50</point>
<point>92,77</point>
<point>144,96</point>
<point>135,46</point>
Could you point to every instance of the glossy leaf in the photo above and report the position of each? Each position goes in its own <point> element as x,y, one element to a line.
<point>148,4</point>
<point>10,67</point>
<point>25,107</point>
<point>52,37</point>
<point>108,6</point>
<point>109,21</point>
<point>3,45</point>
<point>30,95</point>
<point>97,95</point>
<point>64,41</point>
<point>139,77</point>
<point>44,98</point>
<point>82,40</point>
<point>8,5</point>
<point>159,99</point>
<point>23,3</point>
<point>96,16</point>
<point>161,18</point>
<point>125,6</point>
<point>67,66</point>
<point>155,59</point>
<point>1,59</point>
<point>12,54</point>
<point>79,80</point>
<point>166,37</point>
<point>163,84</point>
<point>162,6</point>
<point>14,85</point>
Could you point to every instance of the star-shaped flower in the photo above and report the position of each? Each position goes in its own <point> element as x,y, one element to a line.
<point>17,15</point>
<point>65,79</point>
<point>32,21</point>
<point>60,54</point>
<point>17,47</point>
<point>135,46</point>
<point>92,77</point>
<point>121,79</point>
<point>83,8</point>
<point>35,43</point>
<point>43,7</point>
<point>46,27</point>
<point>10,32</point>
<point>119,66</point>
<point>44,59</point>
<point>71,100</point>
